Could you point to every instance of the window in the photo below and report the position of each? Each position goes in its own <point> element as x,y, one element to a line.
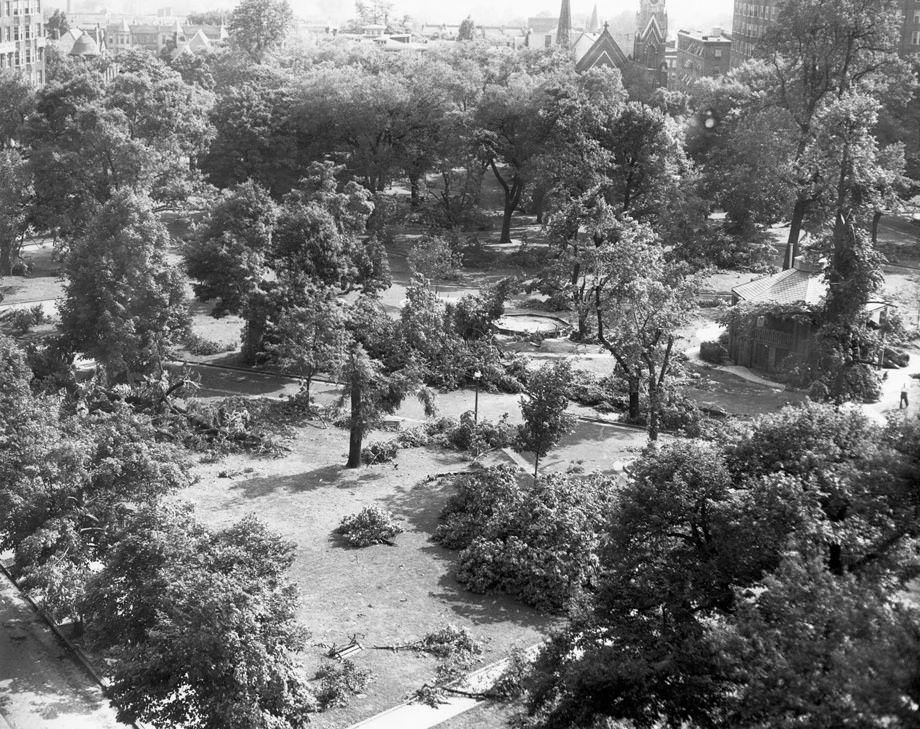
<point>717,53</point>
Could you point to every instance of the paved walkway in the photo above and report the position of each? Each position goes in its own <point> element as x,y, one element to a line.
<point>422,716</point>
<point>41,687</point>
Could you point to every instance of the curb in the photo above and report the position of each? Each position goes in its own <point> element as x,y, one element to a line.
<point>81,658</point>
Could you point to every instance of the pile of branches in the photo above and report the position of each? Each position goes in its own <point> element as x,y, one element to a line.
<point>229,425</point>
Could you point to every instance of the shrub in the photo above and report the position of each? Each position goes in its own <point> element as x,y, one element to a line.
<point>713,352</point>
<point>203,347</point>
<point>680,414</point>
<point>339,682</point>
<point>22,320</point>
<point>535,542</point>
<point>371,525</point>
<point>380,452</point>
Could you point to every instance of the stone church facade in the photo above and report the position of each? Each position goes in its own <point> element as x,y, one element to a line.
<point>644,45</point>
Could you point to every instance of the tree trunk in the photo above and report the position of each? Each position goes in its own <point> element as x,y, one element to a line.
<point>510,205</point>
<point>6,260</point>
<point>835,560</point>
<point>414,192</point>
<point>536,466</point>
<point>876,219</point>
<point>795,232</point>
<point>634,411</point>
<point>357,427</point>
<point>583,332</point>
<point>653,407</point>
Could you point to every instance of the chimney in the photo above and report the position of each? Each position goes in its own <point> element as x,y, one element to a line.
<point>717,32</point>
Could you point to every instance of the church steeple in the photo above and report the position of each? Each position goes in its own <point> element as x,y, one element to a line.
<point>651,38</point>
<point>564,32</point>
<point>593,24</point>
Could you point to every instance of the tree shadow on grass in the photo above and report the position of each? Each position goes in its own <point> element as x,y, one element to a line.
<point>420,504</point>
<point>490,608</point>
<point>332,475</point>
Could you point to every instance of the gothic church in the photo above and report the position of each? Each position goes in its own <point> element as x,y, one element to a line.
<point>612,47</point>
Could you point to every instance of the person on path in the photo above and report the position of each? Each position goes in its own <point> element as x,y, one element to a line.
<point>903,404</point>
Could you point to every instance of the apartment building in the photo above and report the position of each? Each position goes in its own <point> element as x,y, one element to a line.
<point>749,23</point>
<point>910,31</point>
<point>699,55</point>
<point>22,38</point>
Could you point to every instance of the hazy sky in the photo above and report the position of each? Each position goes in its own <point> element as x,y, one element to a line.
<point>690,14</point>
<point>696,13</point>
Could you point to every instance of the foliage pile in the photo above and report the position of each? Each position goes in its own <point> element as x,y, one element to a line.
<point>473,436</point>
<point>383,452</point>
<point>339,682</point>
<point>536,542</point>
<point>230,425</point>
<point>371,525</point>
<point>449,641</point>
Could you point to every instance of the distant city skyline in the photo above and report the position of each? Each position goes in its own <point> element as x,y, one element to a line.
<point>687,14</point>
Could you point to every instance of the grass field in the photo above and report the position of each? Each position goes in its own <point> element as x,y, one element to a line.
<point>384,595</point>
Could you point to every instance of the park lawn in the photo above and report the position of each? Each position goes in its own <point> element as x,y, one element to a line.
<point>384,595</point>
<point>42,284</point>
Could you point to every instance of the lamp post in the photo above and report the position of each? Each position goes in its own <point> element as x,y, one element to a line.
<point>477,375</point>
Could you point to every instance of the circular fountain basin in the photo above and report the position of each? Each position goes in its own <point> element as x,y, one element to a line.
<point>526,324</point>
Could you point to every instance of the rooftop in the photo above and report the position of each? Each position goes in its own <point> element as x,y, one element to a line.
<point>786,287</point>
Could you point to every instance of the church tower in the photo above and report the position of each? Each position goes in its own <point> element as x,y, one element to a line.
<point>564,33</point>
<point>651,39</point>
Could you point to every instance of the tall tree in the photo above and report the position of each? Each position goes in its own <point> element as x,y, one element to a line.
<point>230,251</point>
<point>640,301</point>
<point>199,625</point>
<point>817,50</point>
<point>255,137</point>
<point>16,196</point>
<point>57,24</point>
<point>19,102</point>
<point>511,134</point>
<point>311,337</point>
<point>378,371</point>
<point>124,304</point>
<point>259,26</point>
<point>545,419</point>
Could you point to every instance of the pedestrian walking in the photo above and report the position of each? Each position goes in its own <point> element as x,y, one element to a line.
<point>903,404</point>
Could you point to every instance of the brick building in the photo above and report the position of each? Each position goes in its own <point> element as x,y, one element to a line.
<point>910,32</point>
<point>699,55</point>
<point>22,38</point>
<point>749,22</point>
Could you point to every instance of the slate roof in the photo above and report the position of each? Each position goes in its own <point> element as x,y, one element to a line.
<point>604,51</point>
<point>85,46</point>
<point>786,287</point>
